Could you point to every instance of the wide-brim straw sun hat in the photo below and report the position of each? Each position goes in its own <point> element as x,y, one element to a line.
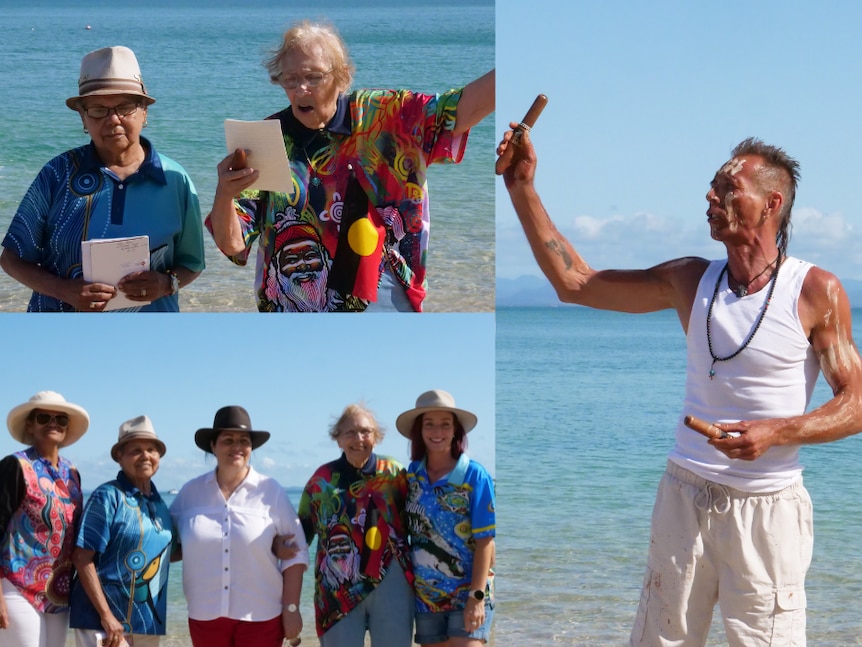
<point>79,419</point>
<point>434,400</point>
<point>230,418</point>
<point>110,71</point>
<point>138,428</point>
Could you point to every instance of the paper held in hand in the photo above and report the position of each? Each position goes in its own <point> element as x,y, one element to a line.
<point>107,260</point>
<point>265,146</point>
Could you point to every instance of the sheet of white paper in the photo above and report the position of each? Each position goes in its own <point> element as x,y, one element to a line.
<point>107,260</point>
<point>265,146</point>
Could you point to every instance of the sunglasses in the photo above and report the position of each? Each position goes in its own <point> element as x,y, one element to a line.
<point>61,419</point>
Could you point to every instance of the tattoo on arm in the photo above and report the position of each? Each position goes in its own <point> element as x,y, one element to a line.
<point>560,250</point>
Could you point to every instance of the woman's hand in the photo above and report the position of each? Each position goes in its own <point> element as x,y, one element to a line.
<point>284,548</point>
<point>87,297</point>
<point>145,286</point>
<point>474,614</point>
<point>291,622</point>
<point>114,634</point>
<point>233,181</point>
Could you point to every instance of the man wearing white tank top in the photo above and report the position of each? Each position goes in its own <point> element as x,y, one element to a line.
<point>732,522</point>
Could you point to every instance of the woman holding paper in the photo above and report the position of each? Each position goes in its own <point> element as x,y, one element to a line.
<point>350,232</point>
<point>116,186</point>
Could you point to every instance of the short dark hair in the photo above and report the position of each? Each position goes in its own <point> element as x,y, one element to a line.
<point>780,173</point>
<point>418,451</point>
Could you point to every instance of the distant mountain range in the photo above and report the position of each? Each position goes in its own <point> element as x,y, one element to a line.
<point>533,291</point>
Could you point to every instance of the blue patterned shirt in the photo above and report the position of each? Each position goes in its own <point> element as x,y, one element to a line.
<point>132,537</point>
<point>76,198</point>
<point>444,519</point>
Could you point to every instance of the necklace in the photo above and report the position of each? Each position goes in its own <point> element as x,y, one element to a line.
<point>716,358</point>
<point>742,289</point>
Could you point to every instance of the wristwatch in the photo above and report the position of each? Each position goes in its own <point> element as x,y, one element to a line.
<point>175,281</point>
<point>477,595</point>
<point>291,608</point>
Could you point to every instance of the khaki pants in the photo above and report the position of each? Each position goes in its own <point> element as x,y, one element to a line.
<point>711,543</point>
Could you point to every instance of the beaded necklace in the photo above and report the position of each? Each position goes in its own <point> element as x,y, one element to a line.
<point>716,358</point>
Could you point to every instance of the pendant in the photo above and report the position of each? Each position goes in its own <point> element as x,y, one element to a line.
<point>315,181</point>
<point>741,291</point>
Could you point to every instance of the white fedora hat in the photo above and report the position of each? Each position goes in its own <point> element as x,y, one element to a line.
<point>138,428</point>
<point>110,70</point>
<point>435,400</point>
<point>79,419</point>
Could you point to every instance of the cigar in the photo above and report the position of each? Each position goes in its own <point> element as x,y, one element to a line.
<point>529,119</point>
<point>239,160</point>
<point>705,428</point>
<point>526,125</point>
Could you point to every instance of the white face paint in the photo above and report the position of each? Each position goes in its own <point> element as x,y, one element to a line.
<point>733,166</point>
<point>732,218</point>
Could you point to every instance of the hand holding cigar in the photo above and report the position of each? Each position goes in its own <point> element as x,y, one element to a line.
<point>526,125</point>
<point>702,427</point>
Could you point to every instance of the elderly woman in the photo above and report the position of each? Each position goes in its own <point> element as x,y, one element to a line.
<point>115,186</point>
<point>124,549</point>
<point>239,594</point>
<point>352,234</point>
<point>451,524</point>
<point>40,504</point>
<point>355,507</point>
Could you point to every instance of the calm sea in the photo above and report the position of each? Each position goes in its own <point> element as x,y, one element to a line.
<point>586,406</point>
<point>201,61</point>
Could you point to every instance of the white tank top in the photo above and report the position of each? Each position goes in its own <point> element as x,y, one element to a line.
<point>773,376</point>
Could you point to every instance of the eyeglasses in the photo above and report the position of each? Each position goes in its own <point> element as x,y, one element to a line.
<point>356,433</point>
<point>122,110</point>
<point>309,80</point>
<point>61,419</point>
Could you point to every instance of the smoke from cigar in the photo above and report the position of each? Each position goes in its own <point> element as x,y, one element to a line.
<point>526,124</point>
<point>703,427</point>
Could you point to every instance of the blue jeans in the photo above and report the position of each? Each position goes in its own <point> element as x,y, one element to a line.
<point>439,627</point>
<point>387,614</point>
<point>391,295</point>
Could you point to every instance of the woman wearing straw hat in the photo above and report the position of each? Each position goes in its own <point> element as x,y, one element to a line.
<point>115,186</point>
<point>355,507</point>
<point>40,504</point>
<point>124,548</point>
<point>238,593</point>
<point>451,520</point>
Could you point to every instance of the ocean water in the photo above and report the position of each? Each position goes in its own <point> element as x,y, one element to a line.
<point>201,61</point>
<point>586,406</point>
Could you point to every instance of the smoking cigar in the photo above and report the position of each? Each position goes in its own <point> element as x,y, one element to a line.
<point>239,160</point>
<point>703,427</point>
<point>526,124</point>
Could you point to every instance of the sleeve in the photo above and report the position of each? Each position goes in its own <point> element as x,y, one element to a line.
<point>250,211</point>
<point>287,523</point>
<point>12,490</point>
<point>96,521</point>
<point>189,247</point>
<point>482,505</point>
<point>432,118</point>
<point>27,230</point>
<point>305,514</point>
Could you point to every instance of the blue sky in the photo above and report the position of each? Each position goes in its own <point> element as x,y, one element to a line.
<point>646,101</point>
<point>293,374</point>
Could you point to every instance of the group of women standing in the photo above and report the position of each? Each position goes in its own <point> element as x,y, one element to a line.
<point>383,532</point>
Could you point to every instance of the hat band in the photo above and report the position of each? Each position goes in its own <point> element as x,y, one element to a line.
<point>120,86</point>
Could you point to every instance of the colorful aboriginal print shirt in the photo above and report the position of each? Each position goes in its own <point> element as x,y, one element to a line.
<point>76,198</point>
<point>444,519</point>
<point>132,537</point>
<point>36,550</point>
<point>358,518</point>
<point>359,202</point>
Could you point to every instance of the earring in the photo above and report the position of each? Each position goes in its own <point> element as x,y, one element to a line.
<point>86,132</point>
<point>146,123</point>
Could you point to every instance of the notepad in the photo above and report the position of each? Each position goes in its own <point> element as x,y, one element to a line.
<point>264,144</point>
<point>107,260</point>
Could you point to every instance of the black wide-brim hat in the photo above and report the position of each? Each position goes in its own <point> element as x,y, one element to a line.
<point>230,418</point>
